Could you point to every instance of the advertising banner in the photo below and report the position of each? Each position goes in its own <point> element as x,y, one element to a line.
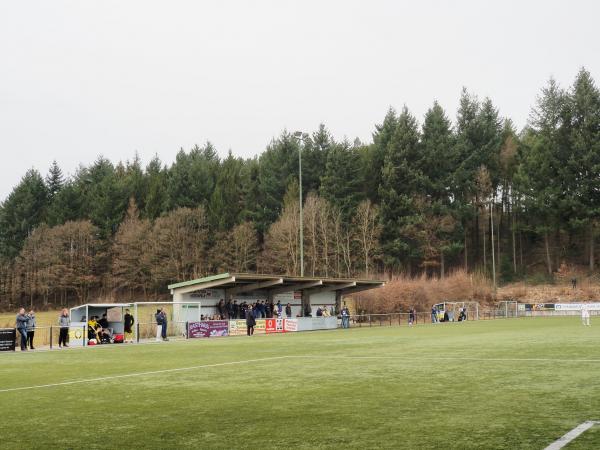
<point>77,332</point>
<point>211,328</point>
<point>539,306</point>
<point>576,306</point>
<point>8,339</point>
<point>274,326</point>
<point>238,327</point>
<point>290,325</point>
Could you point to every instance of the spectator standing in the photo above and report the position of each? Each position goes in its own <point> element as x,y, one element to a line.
<point>64,321</point>
<point>21,325</point>
<point>165,323</point>
<point>271,307</point>
<point>30,328</point>
<point>585,316</point>
<point>250,321</point>
<point>159,325</point>
<point>288,310</point>
<point>433,315</point>
<point>236,310</point>
<point>221,309</point>
<point>229,308</point>
<point>345,317</point>
<point>411,316</point>
<point>279,309</point>
<point>128,326</point>
<point>319,312</point>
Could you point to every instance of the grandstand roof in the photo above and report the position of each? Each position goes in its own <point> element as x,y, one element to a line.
<point>244,282</point>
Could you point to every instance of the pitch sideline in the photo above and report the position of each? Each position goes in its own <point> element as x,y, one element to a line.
<point>572,435</point>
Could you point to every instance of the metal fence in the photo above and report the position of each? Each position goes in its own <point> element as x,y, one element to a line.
<point>395,319</point>
<point>402,319</point>
<point>48,336</point>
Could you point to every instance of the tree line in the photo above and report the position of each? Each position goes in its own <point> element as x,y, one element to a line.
<point>422,197</point>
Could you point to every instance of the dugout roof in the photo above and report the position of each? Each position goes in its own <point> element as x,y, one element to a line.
<point>237,283</point>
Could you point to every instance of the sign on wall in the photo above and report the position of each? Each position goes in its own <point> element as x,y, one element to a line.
<point>8,338</point>
<point>212,328</point>
<point>77,332</point>
<point>274,326</point>
<point>290,325</point>
<point>238,327</point>
<point>576,306</point>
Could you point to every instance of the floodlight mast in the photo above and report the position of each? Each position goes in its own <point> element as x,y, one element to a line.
<point>299,135</point>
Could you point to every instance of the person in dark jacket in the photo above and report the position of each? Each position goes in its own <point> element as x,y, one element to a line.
<point>288,310</point>
<point>128,326</point>
<point>250,321</point>
<point>64,321</point>
<point>164,324</point>
<point>104,321</point>
<point>30,328</point>
<point>21,326</point>
<point>221,309</point>
<point>229,308</point>
<point>159,325</point>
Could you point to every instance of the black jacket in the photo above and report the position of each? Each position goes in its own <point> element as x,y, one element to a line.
<point>129,321</point>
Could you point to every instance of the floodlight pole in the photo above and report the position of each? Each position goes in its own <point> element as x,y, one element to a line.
<point>493,255</point>
<point>298,135</point>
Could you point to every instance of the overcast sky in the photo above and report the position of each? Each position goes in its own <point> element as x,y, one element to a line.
<point>83,78</point>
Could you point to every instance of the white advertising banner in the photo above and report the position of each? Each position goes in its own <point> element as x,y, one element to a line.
<point>290,325</point>
<point>576,306</point>
<point>77,333</point>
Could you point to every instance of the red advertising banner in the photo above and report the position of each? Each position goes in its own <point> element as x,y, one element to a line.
<point>274,326</point>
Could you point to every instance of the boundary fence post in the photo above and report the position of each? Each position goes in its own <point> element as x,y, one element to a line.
<point>50,337</point>
<point>137,334</point>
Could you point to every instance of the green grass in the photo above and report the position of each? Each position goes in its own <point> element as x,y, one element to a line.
<point>444,386</point>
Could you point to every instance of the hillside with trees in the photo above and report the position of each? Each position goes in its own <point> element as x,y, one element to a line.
<point>426,197</point>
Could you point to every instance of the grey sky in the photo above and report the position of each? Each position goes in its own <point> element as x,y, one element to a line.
<point>81,78</point>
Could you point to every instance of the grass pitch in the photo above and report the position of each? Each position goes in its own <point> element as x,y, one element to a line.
<point>518,383</point>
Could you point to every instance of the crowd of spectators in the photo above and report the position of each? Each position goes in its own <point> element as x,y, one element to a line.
<point>261,309</point>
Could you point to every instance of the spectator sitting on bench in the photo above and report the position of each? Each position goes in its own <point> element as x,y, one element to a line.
<point>106,331</point>
<point>93,329</point>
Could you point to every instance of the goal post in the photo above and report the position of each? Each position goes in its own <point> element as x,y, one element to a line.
<point>507,309</point>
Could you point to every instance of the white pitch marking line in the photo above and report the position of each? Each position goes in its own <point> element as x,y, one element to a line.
<point>571,435</point>
<point>441,358</point>
<point>139,374</point>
